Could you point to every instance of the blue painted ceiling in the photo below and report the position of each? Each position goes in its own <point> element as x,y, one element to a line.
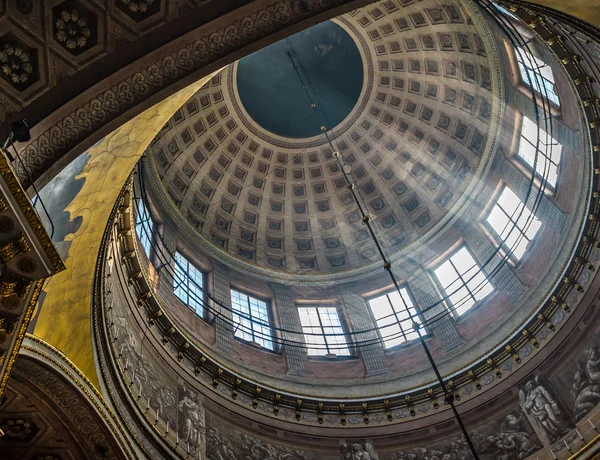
<point>279,84</point>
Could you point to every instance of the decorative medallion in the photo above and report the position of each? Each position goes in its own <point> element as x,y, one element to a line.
<point>18,429</point>
<point>18,63</point>
<point>138,10</point>
<point>75,28</point>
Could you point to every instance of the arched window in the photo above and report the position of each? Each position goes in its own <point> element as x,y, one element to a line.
<point>537,75</point>
<point>144,226</point>
<point>540,151</point>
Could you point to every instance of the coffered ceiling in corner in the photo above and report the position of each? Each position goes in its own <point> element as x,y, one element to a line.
<point>413,142</point>
<point>43,42</point>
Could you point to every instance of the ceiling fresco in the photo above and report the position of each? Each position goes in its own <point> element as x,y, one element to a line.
<point>316,75</point>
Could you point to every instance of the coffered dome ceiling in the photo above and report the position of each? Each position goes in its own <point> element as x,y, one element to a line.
<point>404,92</point>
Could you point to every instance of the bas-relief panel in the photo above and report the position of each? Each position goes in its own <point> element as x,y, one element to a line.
<point>545,411</point>
<point>225,442</point>
<point>155,388</point>
<point>578,385</point>
<point>509,437</point>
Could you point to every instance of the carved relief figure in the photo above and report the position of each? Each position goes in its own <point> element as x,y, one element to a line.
<point>191,417</point>
<point>223,445</point>
<point>149,381</point>
<point>538,402</point>
<point>585,389</point>
<point>257,449</point>
<point>508,438</point>
<point>512,442</point>
<point>455,449</point>
<point>218,447</point>
<point>358,451</point>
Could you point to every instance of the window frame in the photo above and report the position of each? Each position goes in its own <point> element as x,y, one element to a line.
<point>405,343</point>
<point>505,11</point>
<point>203,279</point>
<point>539,180</point>
<point>497,237</point>
<point>269,310</point>
<point>327,356</point>
<point>446,296</point>
<point>536,75</point>
<point>145,241</point>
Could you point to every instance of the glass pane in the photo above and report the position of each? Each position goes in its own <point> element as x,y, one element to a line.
<point>380,307</point>
<point>476,282</point>
<point>446,274</point>
<point>187,284</point>
<point>392,335</point>
<point>393,322</point>
<point>254,318</point>
<point>524,226</point>
<point>463,261</point>
<point>498,220</point>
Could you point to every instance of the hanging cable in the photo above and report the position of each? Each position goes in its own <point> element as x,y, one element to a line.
<point>387,266</point>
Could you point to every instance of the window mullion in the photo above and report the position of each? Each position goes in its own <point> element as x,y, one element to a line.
<point>322,329</point>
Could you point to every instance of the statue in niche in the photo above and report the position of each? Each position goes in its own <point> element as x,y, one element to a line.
<point>538,402</point>
<point>358,451</point>
<point>586,384</point>
<point>191,416</point>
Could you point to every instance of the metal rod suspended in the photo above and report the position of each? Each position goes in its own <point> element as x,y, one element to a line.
<point>387,266</point>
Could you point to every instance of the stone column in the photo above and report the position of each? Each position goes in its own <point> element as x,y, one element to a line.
<point>290,320</point>
<point>519,183</point>
<point>222,295</point>
<point>483,248</point>
<point>360,319</point>
<point>426,295</point>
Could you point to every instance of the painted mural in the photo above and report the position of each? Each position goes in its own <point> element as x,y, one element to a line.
<point>316,74</point>
<point>79,203</point>
<point>56,196</point>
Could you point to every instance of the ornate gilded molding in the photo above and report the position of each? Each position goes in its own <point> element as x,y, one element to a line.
<point>28,257</point>
<point>11,249</point>
<point>14,351</point>
<point>8,175</point>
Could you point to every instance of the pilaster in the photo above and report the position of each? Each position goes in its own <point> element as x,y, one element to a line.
<point>361,320</point>
<point>290,320</point>
<point>426,296</point>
